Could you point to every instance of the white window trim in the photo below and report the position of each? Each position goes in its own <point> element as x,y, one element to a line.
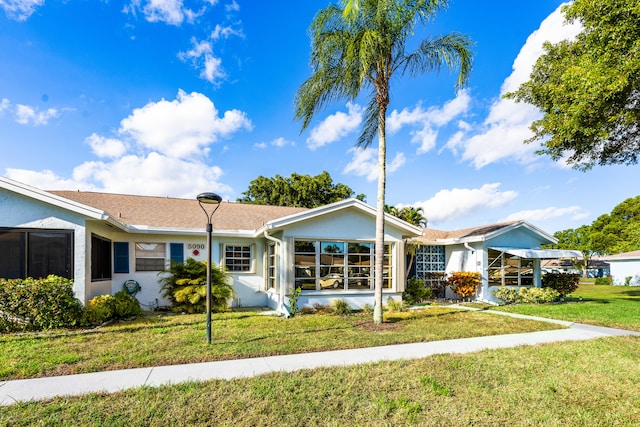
<point>252,255</point>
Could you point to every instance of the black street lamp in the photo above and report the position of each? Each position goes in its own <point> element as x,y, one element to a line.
<point>209,199</point>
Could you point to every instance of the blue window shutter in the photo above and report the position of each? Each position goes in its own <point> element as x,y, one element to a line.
<point>120,257</point>
<point>176,252</point>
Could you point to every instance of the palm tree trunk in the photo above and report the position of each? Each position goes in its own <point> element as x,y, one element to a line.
<point>382,181</point>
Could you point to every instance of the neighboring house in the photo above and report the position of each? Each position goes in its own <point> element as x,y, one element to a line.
<point>506,254</point>
<point>625,268</point>
<point>102,240</point>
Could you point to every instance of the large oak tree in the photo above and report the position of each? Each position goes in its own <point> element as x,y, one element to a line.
<point>589,88</point>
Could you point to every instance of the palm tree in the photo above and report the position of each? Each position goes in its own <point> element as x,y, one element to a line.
<point>360,45</point>
<point>413,215</point>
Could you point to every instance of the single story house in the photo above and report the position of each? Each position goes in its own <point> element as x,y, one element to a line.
<point>625,268</point>
<point>103,240</point>
<point>505,254</point>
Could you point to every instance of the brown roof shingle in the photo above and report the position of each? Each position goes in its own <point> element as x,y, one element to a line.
<point>166,212</point>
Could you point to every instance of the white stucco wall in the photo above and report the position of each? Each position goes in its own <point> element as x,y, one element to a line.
<point>18,211</point>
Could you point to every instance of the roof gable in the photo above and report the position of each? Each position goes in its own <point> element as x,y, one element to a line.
<point>481,233</point>
<point>359,205</point>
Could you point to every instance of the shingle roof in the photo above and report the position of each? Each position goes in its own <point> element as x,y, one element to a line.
<point>430,235</point>
<point>624,256</point>
<point>166,212</point>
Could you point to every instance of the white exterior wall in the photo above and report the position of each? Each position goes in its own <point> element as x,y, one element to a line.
<point>23,212</point>
<point>249,287</point>
<point>621,269</point>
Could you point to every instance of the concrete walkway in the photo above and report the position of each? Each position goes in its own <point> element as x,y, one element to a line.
<point>113,381</point>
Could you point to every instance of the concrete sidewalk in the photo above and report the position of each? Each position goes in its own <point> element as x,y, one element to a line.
<point>113,381</point>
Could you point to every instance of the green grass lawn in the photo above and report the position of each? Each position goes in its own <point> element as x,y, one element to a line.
<point>589,383</point>
<point>613,306</point>
<point>156,340</point>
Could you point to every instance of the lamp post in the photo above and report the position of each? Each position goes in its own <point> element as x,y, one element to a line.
<point>209,199</point>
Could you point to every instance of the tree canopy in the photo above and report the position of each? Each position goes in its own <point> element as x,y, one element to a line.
<point>297,190</point>
<point>609,234</point>
<point>589,88</point>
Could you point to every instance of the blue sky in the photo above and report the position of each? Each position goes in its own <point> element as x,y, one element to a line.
<point>172,98</point>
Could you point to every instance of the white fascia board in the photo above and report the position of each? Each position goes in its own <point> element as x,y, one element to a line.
<point>52,199</point>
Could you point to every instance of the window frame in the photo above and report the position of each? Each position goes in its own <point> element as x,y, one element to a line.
<point>141,260</point>
<point>250,268</point>
<point>509,272</point>
<point>27,245</point>
<point>341,276</point>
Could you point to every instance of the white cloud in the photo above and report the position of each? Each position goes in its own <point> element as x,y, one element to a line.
<point>155,156</point>
<point>365,163</point>
<point>20,10</point>
<point>535,215</point>
<point>105,147</point>
<point>428,121</point>
<point>335,126</point>
<point>226,32</point>
<point>278,142</point>
<point>505,129</point>
<point>28,115</point>
<point>232,7</point>
<point>151,175</point>
<point>183,127</point>
<point>457,203</point>
<point>170,12</point>
<point>5,104</point>
<point>202,57</point>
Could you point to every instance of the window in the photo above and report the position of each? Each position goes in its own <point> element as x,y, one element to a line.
<point>100,258</point>
<point>36,253</point>
<point>238,258</point>
<point>337,265</point>
<point>271,266</point>
<point>509,270</point>
<point>150,256</point>
<point>120,257</point>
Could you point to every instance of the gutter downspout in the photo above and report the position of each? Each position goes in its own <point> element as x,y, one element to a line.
<point>282,308</point>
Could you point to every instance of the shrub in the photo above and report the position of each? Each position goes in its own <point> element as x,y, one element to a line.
<point>340,306</point>
<point>103,308</point>
<point>604,281</point>
<point>465,284</point>
<point>510,295</point>
<point>564,283</point>
<point>186,287</point>
<point>395,305</point>
<point>293,301</point>
<point>37,304</point>
<point>437,283</point>
<point>416,291</point>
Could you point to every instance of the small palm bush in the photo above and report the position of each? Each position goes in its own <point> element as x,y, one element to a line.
<point>186,287</point>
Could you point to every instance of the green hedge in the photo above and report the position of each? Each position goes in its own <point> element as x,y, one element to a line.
<point>510,295</point>
<point>36,304</point>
